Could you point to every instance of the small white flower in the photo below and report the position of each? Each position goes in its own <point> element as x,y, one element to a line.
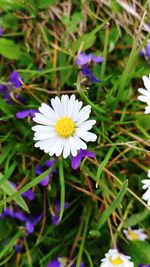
<point>146,195</point>
<point>145,93</point>
<point>136,234</point>
<point>115,259</point>
<point>63,128</point>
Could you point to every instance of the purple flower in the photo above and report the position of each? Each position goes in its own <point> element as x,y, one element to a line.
<point>56,211</point>
<point>54,263</point>
<point>63,261</point>
<point>144,265</point>
<point>83,59</point>
<point>18,248</point>
<point>11,87</point>
<point>75,161</point>
<point>88,74</point>
<point>39,170</point>
<point>31,222</point>
<point>15,79</point>
<point>25,113</point>
<point>146,52</point>
<point>29,194</point>
<point>86,61</point>
<point>7,212</point>
<point>20,215</point>
<point>1,31</point>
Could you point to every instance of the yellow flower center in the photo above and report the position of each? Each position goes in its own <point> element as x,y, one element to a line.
<point>65,127</point>
<point>132,235</point>
<point>116,261</point>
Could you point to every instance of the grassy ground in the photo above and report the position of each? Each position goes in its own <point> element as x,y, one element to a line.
<point>41,40</point>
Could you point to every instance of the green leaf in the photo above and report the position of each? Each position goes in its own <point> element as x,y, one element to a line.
<point>36,181</point>
<point>7,109</point>
<point>6,151</point>
<point>103,163</point>
<point>11,244</point>
<point>134,219</point>
<point>7,188</point>
<point>104,217</point>
<point>10,4</point>
<point>9,49</point>
<point>8,173</point>
<point>46,3</point>
<point>139,251</point>
<point>87,40</point>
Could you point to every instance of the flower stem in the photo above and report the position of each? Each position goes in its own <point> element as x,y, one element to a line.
<point>62,189</point>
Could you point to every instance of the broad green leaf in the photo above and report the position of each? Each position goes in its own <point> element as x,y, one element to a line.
<point>87,40</point>
<point>104,217</point>
<point>134,219</point>
<point>9,49</point>
<point>139,251</point>
<point>8,189</point>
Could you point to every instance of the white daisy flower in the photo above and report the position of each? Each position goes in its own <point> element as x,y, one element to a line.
<point>136,234</point>
<point>145,93</point>
<point>64,127</point>
<point>146,195</point>
<point>115,259</point>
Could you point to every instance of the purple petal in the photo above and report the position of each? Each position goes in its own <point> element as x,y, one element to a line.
<point>45,181</point>
<point>32,112</point>
<point>93,79</point>
<point>14,78</point>
<point>18,248</point>
<point>3,88</point>
<point>49,163</point>
<point>75,161</point>
<point>86,71</point>
<point>29,194</point>
<point>25,113</point>
<point>31,222</point>
<point>1,31</point>
<point>29,227</point>
<point>54,263</point>
<point>19,215</point>
<point>22,114</point>
<point>142,53</point>
<point>148,50</point>
<point>56,206</point>
<point>96,59</point>
<point>38,169</point>
<point>87,153</point>
<point>88,74</point>
<point>7,212</point>
<point>55,219</point>
<point>39,69</point>
<point>144,265</point>
<point>6,95</point>
<point>83,59</point>
<point>37,219</point>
